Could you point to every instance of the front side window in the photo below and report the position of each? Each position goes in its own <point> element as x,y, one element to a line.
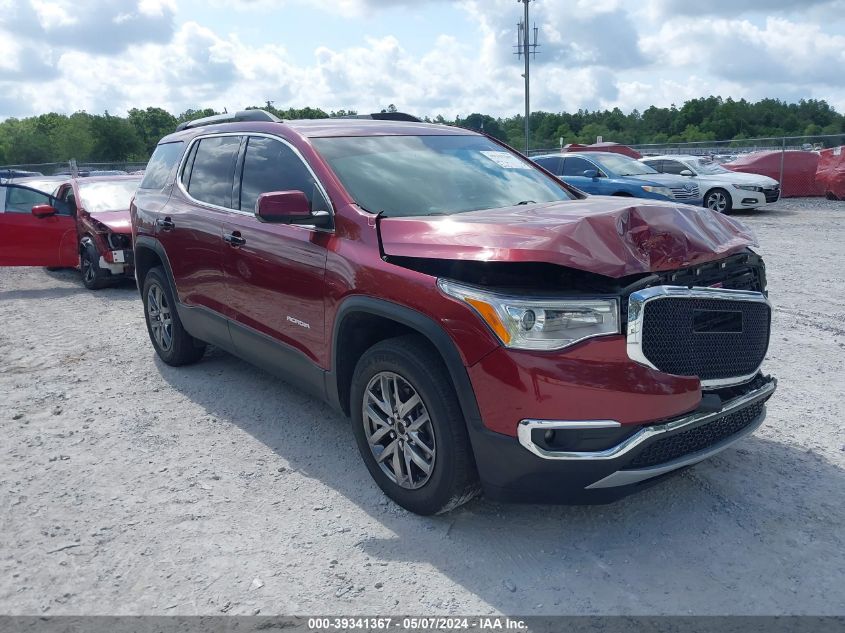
<point>710,168</point>
<point>575,166</point>
<point>270,165</point>
<point>674,167</point>
<point>624,166</point>
<point>162,162</point>
<point>107,196</point>
<point>213,170</point>
<point>435,175</point>
<point>22,199</point>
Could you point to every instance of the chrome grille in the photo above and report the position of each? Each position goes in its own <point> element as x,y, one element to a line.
<point>720,336</point>
<point>681,193</point>
<point>772,193</point>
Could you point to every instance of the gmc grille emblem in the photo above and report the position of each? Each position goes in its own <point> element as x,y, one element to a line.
<point>717,322</point>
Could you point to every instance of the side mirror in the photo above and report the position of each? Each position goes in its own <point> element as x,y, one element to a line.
<point>43,211</point>
<point>687,172</point>
<point>591,173</point>
<point>283,207</point>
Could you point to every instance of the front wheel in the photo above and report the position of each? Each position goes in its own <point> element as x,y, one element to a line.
<point>171,341</point>
<point>410,429</point>
<point>93,277</point>
<point>718,200</point>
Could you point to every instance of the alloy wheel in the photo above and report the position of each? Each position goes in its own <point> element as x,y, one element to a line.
<point>88,271</point>
<point>717,201</point>
<point>399,430</point>
<point>161,321</point>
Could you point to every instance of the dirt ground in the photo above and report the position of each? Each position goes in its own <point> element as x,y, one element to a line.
<point>130,487</point>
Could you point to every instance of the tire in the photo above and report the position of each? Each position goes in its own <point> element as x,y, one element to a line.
<point>170,340</point>
<point>452,479</point>
<point>93,277</point>
<point>718,200</point>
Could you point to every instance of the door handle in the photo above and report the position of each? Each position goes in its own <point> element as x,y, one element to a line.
<point>166,224</point>
<point>234,239</point>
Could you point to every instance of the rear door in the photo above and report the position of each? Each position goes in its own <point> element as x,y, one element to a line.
<point>30,240</point>
<point>275,273</point>
<point>190,226</point>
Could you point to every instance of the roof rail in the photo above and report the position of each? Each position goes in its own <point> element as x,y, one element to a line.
<point>243,115</point>
<point>385,116</point>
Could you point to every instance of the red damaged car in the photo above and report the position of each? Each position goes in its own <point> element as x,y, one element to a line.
<point>84,223</point>
<point>484,325</point>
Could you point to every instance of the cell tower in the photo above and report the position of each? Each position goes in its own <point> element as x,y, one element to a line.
<point>526,47</point>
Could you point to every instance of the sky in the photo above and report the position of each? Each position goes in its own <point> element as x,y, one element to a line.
<point>428,57</point>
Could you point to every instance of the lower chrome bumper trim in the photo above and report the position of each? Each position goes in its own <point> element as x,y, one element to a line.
<point>627,477</point>
<point>526,427</point>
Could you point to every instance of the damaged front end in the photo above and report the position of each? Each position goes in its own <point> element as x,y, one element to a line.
<point>601,399</point>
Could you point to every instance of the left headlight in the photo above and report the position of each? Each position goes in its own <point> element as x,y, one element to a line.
<point>661,191</point>
<point>537,323</point>
<point>748,187</point>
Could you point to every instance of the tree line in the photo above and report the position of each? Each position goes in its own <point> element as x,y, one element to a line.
<point>53,137</point>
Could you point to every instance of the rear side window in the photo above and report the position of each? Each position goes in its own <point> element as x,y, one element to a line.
<point>574,166</point>
<point>270,165</point>
<point>162,162</point>
<point>551,163</point>
<point>213,171</point>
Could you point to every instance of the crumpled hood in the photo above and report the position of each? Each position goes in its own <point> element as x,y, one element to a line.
<point>117,221</point>
<point>599,234</point>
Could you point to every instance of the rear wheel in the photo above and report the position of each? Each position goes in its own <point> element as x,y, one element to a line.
<point>171,341</point>
<point>410,429</point>
<point>718,200</point>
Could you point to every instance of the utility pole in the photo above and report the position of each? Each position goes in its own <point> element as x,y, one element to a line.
<point>526,47</point>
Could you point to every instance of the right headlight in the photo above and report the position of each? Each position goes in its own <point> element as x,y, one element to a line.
<point>538,323</point>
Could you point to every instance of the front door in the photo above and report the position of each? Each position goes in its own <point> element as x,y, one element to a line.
<point>275,272</point>
<point>45,236</point>
<point>573,173</point>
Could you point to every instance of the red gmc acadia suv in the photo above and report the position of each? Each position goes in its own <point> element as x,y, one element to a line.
<point>485,326</point>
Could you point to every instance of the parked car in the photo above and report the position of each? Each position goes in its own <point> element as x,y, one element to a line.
<point>8,174</point>
<point>610,174</point>
<point>798,169</point>
<point>483,324</point>
<point>723,189</point>
<point>83,222</point>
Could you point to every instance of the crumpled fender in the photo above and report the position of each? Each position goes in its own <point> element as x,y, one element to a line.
<point>609,236</point>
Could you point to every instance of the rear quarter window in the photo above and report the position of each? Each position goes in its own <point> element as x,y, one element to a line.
<point>160,167</point>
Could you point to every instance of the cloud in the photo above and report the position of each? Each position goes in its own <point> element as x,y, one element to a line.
<point>738,7</point>
<point>97,26</point>
<point>780,51</point>
<point>102,55</point>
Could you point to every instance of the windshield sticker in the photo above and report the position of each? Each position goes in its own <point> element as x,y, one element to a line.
<point>506,160</point>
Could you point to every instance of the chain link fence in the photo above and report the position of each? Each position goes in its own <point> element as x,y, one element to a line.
<point>791,160</point>
<point>69,168</point>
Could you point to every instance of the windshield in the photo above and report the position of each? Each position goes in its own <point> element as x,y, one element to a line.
<point>435,175</point>
<point>708,167</point>
<point>107,196</point>
<point>623,166</point>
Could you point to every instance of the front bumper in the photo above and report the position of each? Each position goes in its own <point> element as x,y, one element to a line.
<point>524,470</point>
<point>743,199</point>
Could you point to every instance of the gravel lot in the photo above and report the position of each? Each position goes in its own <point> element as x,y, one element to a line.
<point>129,487</point>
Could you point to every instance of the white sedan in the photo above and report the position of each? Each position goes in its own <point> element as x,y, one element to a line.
<point>723,189</point>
